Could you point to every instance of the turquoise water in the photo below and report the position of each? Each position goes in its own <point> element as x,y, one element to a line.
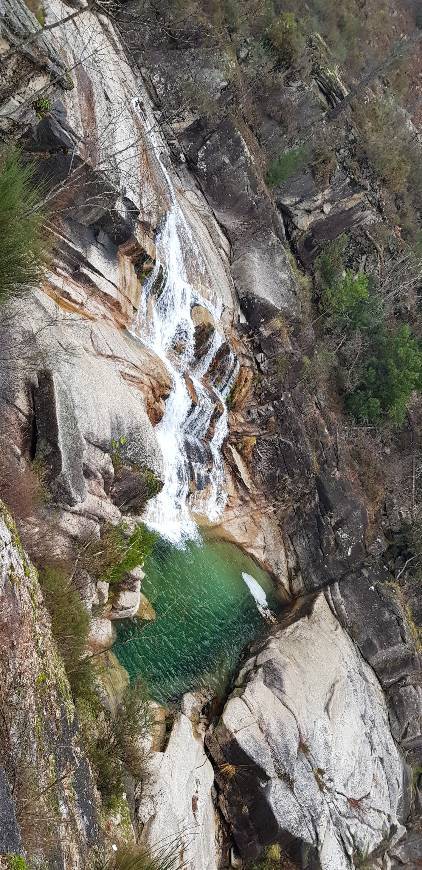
<point>206,615</point>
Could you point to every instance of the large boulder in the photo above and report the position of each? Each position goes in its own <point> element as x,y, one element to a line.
<point>176,806</point>
<point>71,386</point>
<point>304,751</point>
<point>383,628</point>
<point>230,176</point>
<point>318,212</point>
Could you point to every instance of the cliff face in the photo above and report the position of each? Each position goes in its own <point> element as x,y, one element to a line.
<point>48,803</point>
<point>122,143</point>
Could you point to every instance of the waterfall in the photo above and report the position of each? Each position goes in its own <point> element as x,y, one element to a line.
<point>165,324</point>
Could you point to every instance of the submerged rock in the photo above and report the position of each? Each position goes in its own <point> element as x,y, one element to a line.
<point>304,751</point>
<point>145,610</point>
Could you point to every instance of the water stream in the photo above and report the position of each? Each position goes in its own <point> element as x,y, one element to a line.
<point>210,598</point>
<point>193,464</point>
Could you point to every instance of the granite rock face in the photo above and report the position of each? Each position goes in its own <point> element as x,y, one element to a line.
<point>69,385</point>
<point>226,168</point>
<point>39,726</point>
<point>304,751</point>
<point>379,625</point>
<point>176,804</point>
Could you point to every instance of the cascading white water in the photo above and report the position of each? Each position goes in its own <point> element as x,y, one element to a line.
<point>165,324</point>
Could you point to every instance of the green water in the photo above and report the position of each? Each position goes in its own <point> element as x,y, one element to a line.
<point>205,618</point>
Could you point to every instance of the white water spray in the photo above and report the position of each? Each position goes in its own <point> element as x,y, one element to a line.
<point>259,595</point>
<point>165,324</point>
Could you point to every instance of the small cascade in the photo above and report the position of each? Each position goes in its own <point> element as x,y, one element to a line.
<point>260,597</point>
<point>190,443</point>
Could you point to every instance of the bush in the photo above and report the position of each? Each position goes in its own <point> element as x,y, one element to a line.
<point>70,627</point>
<point>329,264</point>
<point>16,862</point>
<point>274,858</point>
<point>116,744</point>
<point>284,35</point>
<point>388,378</point>
<point>22,219</point>
<point>116,553</point>
<point>324,162</point>
<point>22,487</point>
<point>389,146</point>
<point>349,304</point>
<point>140,858</point>
<point>287,165</point>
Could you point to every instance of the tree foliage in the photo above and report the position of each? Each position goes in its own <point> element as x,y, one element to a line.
<point>388,378</point>
<point>350,304</point>
<point>387,359</point>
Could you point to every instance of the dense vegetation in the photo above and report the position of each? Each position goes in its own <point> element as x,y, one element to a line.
<point>116,743</point>
<point>387,358</point>
<point>113,742</point>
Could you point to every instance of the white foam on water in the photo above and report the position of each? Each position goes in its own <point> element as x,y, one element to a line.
<point>259,595</point>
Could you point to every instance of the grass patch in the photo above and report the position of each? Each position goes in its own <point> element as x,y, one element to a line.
<point>23,245</point>
<point>70,627</point>
<point>114,743</point>
<point>140,858</point>
<point>287,164</point>
<point>117,552</point>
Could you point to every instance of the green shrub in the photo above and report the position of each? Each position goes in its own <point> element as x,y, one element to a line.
<point>114,743</point>
<point>70,628</point>
<point>22,234</point>
<point>349,303</point>
<point>116,553</point>
<point>42,106</point>
<point>388,378</point>
<point>16,862</point>
<point>274,858</point>
<point>329,264</point>
<point>287,165</point>
<point>285,36</point>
